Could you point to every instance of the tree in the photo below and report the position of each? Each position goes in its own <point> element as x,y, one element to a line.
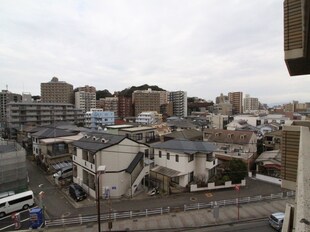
<point>236,170</point>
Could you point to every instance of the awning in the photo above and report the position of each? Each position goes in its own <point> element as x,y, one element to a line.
<point>60,165</point>
<point>167,171</point>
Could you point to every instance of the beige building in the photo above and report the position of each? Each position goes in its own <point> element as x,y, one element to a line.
<point>250,104</point>
<point>146,100</point>
<point>56,91</point>
<point>108,104</point>
<point>85,98</point>
<point>236,99</point>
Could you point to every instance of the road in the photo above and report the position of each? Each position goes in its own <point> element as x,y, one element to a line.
<point>253,226</point>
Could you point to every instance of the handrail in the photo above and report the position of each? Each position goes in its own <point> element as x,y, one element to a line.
<point>165,210</point>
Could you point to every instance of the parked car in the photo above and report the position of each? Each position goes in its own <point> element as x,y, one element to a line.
<point>64,173</point>
<point>276,220</point>
<point>77,192</point>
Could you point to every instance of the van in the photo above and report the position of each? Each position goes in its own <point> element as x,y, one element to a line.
<point>276,220</point>
<point>77,192</point>
<point>63,173</point>
<point>16,202</point>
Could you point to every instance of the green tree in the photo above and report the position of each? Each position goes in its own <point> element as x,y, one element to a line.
<point>236,170</point>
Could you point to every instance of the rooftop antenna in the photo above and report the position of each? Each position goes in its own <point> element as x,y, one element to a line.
<point>7,87</point>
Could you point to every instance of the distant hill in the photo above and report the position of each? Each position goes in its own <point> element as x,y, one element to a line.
<point>103,94</point>
<point>128,91</point>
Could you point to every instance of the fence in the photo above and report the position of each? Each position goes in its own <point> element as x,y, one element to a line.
<point>160,211</point>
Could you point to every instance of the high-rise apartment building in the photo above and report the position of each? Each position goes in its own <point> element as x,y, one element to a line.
<point>125,107</point>
<point>85,98</point>
<point>179,100</point>
<point>146,100</point>
<point>108,104</point>
<point>236,99</point>
<point>5,98</point>
<point>250,104</point>
<point>56,91</point>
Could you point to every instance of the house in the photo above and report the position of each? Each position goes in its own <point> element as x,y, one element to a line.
<point>188,134</point>
<point>52,146</point>
<point>233,144</point>
<point>269,163</point>
<point>179,162</point>
<point>123,157</point>
<point>141,134</point>
<point>272,140</point>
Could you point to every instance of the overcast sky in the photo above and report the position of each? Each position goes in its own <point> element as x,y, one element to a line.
<point>203,47</point>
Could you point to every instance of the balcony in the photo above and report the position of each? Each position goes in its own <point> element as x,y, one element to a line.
<point>211,163</point>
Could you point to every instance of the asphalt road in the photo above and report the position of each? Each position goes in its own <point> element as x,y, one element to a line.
<point>253,226</point>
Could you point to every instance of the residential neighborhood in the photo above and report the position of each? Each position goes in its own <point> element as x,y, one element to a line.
<point>155,116</point>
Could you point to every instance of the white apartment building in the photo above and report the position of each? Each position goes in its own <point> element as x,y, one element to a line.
<point>179,99</point>
<point>96,118</point>
<point>124,160</point>
<point>182,160</point>
<point>85,98</point>
<point>250,104</point>
<point>150,117</point>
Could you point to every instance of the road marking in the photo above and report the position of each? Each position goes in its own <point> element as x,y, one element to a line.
<point>13,224</point>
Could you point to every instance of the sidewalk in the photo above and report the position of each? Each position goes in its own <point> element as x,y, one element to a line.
<point>189,219</point>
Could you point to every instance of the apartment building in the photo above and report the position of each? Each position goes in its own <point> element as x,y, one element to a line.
<point>56,91</point>
<point>250,104</point>
<point>97,118</point>
<point>5,98</point>
<point>125,107</point>
<point>179,100</point>
<point>85,98</point>
<point>150,117</point>
<point>22,113</point>
<point>180,161</point>
<point>236,99</point>
<point>146,100</point>
<point>123,158</point>
<point>108,104</point>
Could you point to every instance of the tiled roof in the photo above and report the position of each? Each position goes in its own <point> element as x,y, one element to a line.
<point>186,146</point>
<point>185,134</point>
<point>228,136</point>
<point>96,141</point>
<point>52,133</point>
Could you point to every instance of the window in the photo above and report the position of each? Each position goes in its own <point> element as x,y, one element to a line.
<point>146,153</point>
<point>190,157</point>
<point>176,158</point>
<point>139,136</point>
<point>191,177</point>
<point>18,200</point>
<point>159,154</point>
<point>168,156</point>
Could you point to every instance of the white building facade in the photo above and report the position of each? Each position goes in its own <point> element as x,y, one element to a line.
<point>96,118</point>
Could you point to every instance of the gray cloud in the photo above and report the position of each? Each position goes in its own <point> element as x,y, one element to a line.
<point>204,47</point>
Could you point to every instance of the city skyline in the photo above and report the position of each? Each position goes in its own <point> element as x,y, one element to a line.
<point>204,48</point>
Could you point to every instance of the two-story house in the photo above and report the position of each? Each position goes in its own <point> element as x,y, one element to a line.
<point>180,161</point>
<point>233,144</point>
<point>52,146</point>
<point>123,158</point>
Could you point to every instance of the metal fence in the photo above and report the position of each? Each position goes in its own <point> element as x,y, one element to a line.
<point>165,210</point>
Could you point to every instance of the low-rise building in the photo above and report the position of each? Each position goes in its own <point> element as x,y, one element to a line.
<point>233,144</point>
<point>123,158</point>
<point>179,162</point>
<point>149,117</point>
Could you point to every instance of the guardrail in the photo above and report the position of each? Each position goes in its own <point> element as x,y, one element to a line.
<point>160,211</point>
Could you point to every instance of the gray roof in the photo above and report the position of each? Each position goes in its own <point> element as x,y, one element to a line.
<point>96,141</point>
<point>166,171</point>
<point>186,146</point>
<point>52,133</point>
<point>185,134</point>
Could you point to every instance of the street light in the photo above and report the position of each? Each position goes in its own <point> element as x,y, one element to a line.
<point>100,170</point>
